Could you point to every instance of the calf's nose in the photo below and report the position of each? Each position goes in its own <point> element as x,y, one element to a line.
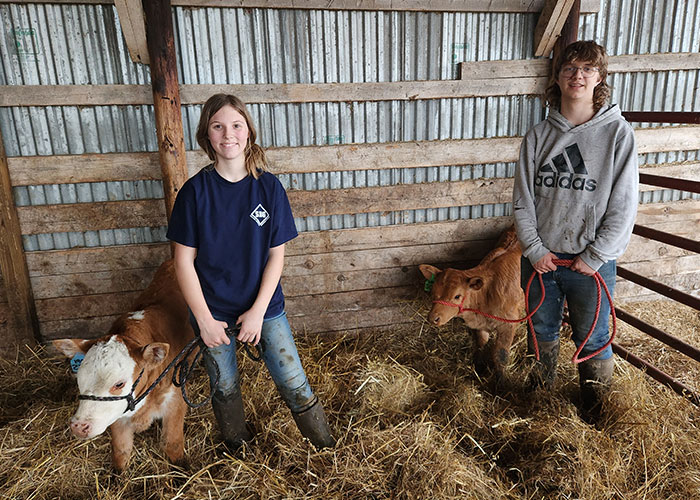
<point>80,428</point>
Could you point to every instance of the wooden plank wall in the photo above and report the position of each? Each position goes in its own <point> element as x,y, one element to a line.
<point>335,280</point>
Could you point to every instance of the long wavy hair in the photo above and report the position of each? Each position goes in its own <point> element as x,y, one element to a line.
<point>584,52</point>
<point>255,159</point>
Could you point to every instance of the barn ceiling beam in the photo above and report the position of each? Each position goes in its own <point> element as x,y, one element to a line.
<point>550,24</point>
<point>587,6</point>
<point>132,20</point>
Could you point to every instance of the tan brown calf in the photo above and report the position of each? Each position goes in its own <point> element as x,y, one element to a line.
<point>145,339</point>
<point>492,287</point>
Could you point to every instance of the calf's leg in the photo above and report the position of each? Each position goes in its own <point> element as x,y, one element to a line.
<point>122,443</point>
<point>481,338</point>
<point>173,431</point>
<point>500,348</point>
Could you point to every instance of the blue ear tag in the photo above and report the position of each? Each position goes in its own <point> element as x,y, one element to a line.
<point>429,283</point>
<point>75,361</point>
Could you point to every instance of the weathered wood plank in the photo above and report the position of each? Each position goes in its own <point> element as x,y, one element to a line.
<point>400,197</point>
<point>302,265</point>
<point>425,233</point>
<point>96,260</point>
<point>549,25</point>
<point>131,19</point>
<point>684,170</point>
<point>88,328</point>
<point>166,98</point>
<point>587,6</point>
<point>359,300</point>
<point>91,216</point>
<point>22,323</point>
<point>687,282</point>
<point>534,68</point>
<point>34,170</point>
<point>137,95</point>
<point>272,93</point>
<point>85,306</point>
<point>650,213</point>
<point>79,284</point>
<point>150,213</point>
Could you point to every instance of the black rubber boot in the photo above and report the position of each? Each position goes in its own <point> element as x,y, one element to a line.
<point>230,416</point>
<point>544,371</point>
<point>313,425</point>
<point>595,376</point>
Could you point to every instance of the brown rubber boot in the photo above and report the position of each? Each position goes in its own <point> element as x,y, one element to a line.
<point>313,425</point>
<point>544,371</point>
<point>595,377</point>
<point>230,416</point>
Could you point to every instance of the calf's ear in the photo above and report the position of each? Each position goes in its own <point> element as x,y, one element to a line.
<point>428,271</point>
<point>476,283</point>
<point>71,347</point>
<point>156,352</point>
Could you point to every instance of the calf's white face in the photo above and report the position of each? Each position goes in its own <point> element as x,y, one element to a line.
<point>107,370</point>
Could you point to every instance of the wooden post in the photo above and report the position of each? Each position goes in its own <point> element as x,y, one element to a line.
<point>166,97</point>
<point>24,324</point>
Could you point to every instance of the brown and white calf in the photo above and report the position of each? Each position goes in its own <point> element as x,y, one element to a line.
<point>147,338</point>
<point>492,287</point>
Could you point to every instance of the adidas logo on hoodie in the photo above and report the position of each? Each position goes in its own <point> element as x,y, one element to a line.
<point>566,175</point>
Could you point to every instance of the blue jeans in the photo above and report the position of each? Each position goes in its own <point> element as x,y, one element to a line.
<point>580,294</point>
<point>280,356</point>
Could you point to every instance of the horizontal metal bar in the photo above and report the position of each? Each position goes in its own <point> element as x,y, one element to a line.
<point>670,182</point>
<point>662,116</point>
<point>671,239</point>
<point>656,374</point>
<point>660,335</point>
<point>664,290</point>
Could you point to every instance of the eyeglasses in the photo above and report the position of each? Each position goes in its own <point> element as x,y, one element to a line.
<point>586,71</point>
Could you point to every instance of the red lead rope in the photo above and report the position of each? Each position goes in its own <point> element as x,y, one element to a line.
<point>528,316</point>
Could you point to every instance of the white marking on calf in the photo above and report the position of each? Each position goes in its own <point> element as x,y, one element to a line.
<point>105,364</point>
<point>137,315</point>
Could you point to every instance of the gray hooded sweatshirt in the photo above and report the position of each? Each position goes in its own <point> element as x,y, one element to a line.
<point>576,188</point>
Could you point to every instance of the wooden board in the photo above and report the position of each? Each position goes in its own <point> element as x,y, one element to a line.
<point>550,24</point>
<point>272,93</point>
<point>587,6</point>
<point>91,216</point>
<point>61,169</point>
<point>540,68</point>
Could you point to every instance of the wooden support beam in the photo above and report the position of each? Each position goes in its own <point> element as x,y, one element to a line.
<point>589,6</point>
<point>24,325</point>
<point>166,98</point>
<point>549,25</point>
<point>131,19</point>
<point>569,32</point>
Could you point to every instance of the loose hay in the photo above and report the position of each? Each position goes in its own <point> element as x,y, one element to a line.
<point>390,386</point>
<point>411,417</point>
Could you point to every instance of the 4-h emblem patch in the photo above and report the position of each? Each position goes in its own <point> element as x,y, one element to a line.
<point>259,215</point>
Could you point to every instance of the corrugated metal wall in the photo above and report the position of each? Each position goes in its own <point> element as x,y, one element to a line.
<point>301,46</point>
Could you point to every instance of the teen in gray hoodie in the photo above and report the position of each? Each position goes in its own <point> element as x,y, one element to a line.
<point>575,198</point>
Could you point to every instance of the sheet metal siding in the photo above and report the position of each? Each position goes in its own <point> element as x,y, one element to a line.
<point>300,46</point>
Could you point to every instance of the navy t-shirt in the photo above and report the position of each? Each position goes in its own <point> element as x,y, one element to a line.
<point>232,225</point>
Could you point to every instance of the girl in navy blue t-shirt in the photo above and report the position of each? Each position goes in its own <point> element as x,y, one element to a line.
<point>229,223</point>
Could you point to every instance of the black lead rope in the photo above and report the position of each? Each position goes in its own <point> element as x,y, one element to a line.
<point>181,374</point>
